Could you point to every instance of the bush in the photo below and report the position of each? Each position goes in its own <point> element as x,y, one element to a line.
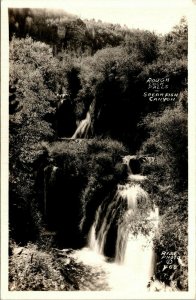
<point>167,186</point>
<point>31,78</point>
<point>172,237</point>
<point>172,234</point>
<point>168,142</point>
<point>33,270</point>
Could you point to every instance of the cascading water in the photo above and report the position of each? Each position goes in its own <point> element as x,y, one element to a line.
<point>83,127</point>
<point>136,219</point>
<point>131,194</point>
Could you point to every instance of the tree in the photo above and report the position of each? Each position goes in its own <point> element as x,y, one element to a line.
<point>168,141</point>
<point>144,43</point>
<point>30,73</point>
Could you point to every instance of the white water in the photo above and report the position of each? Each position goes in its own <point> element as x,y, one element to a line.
<point>134,260</point>
<point>84,126</point>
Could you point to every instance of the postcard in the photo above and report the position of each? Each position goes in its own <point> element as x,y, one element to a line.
<point>98,138</point>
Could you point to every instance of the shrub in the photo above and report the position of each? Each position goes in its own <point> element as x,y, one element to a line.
<point>31,78</point>
<point>168,142</point>
<point>34,270</point>
<point>172,237</point>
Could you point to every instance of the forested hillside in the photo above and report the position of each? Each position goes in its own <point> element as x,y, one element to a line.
<point>131,86</point>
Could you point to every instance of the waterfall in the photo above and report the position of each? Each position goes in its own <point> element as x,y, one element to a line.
<point>84,126</point>
<point>132,194</point>
<point>135,218</point>
<point>97,241</point>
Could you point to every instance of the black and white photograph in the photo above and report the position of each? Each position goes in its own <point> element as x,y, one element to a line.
<point>97,183</point>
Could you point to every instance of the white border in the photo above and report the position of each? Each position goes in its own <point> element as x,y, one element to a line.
<point>5,294</point>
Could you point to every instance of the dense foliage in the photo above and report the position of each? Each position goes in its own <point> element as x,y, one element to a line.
<point>80,174</point>
<point>61,68</point>
<point>168,187</point>
<point>35,269</point>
